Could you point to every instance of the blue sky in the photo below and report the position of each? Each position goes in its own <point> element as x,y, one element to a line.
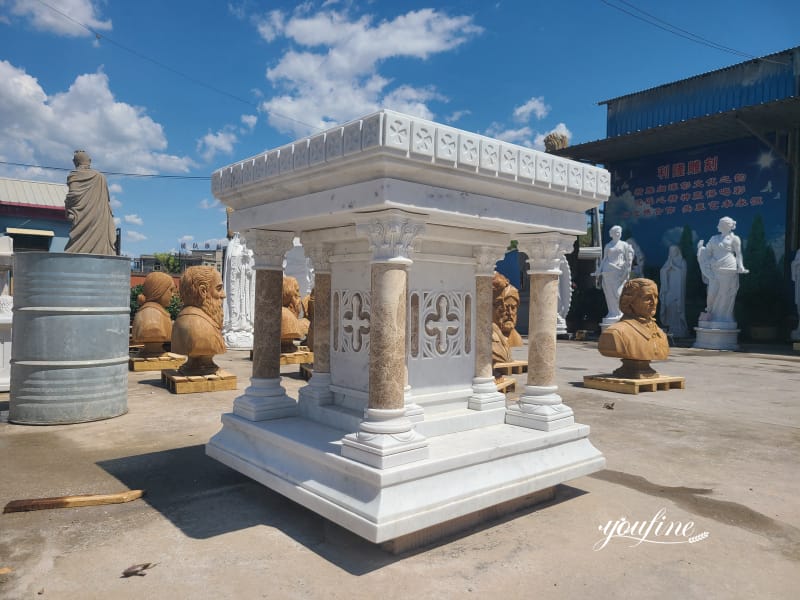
<point>181,88</point>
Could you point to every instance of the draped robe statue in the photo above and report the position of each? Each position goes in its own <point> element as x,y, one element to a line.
<point>88,209</point>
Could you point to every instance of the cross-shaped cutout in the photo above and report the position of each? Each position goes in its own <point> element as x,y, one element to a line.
<point>442,324</point>
<point>356,323</point>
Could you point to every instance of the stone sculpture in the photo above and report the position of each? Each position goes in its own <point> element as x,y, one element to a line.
<point>672,300</point>
<point>88,210</point>
<point>308,312</point>
<point>555,141</point>
<point>197,330</point>
<point>240,292</point>
<point>152,325</point>
<point>721,263</point>
<point>636,338</point>
<point>6,311</point>
<point>614,271</point>
<point>639,258</point>
<point>505,304</point>
<point>564,296</point>
<point>293,326</point>
<point>796,278</point>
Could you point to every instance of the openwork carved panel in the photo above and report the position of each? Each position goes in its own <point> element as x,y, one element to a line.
<point>439,323</point>
<point>351,321</point>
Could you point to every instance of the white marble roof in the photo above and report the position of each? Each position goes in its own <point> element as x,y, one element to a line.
<point>413,148</point>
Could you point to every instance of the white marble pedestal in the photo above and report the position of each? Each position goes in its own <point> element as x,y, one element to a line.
<point>717,336</point>
<point>404,220</point>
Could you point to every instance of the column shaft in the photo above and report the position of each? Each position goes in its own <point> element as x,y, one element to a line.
<point>542,319</point>
<point>483,326</point>
<point>267,326</point>
<point>387,336</point>
<point>322,322</point>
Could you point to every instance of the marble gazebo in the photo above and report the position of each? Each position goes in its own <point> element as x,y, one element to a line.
<point>401,428</point>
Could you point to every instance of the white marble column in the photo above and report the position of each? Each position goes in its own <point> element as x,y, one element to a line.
<point>265,398</point>
<point>386,437</point>
<point>318,392</point>
<point>539,406</point>
<point>6,311</point>
<point>484,390</point>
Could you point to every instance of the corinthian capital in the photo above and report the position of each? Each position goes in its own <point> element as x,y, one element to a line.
<point>269,247</point>
<point>391,237</point>
<point>486,258</point>
<point>320,255</point>
<point>545,250</point>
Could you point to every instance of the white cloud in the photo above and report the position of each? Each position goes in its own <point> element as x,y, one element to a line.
<point>271,25</point>
<point>134,220</point>
<point>521,136</point>
<point>330,74</point>
<point>45,129</point>
<point>115,188</point>
<point>205,204</point>
<point>560,128</point>
<point>44,18</point>
<point>249,121</point>
<point>114,202</point>
<point>185,239</point>
<point>117,221</point>
<point>135,236</point>
<point>212,143</point>
<point>457,115</point>
<point>534,106</point>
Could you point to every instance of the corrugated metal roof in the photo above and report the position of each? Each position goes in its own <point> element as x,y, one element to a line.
<point>782,115</point>
<point>34,193</point>
<point>746,84</point>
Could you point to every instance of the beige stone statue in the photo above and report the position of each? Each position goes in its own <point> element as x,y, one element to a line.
<point>88,210</point>
<point>152,325</point>
<point>555,141</point>
<point>197,331</point>
<point>293,326</point>
<point>505,303</point>
<point>308,313</point>
<point>636,338</point>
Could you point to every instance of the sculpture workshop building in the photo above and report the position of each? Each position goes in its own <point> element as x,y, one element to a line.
<point>684,154</point>
<point>32,213</point>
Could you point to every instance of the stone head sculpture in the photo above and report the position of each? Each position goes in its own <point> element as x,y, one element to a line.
<point>152,325</point>
<point>81,159</point>
<point>505,304</point>
<point>197,330</point>
<point>293,327</point>
<point>636,338</point>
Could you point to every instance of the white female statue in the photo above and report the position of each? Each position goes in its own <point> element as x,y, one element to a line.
<point>796,279</point>
<point>237,329</point>
<point>721,263</point>
<point>672,297</point>
<point>614,269</point>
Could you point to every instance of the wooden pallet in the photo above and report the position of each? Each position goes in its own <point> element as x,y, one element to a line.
<point>505,385</point>
<point>633,386</point>
<point>297,358</point>
<point>168,360</point>
<point>177,383</point>
<point>511,368</point>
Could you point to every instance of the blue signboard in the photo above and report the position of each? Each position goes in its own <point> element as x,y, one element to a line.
<point>653,198</point>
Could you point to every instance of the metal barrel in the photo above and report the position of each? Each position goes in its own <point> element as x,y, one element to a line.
<point>69,348</point>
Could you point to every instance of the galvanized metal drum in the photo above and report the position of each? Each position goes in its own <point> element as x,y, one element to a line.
<point>69,350</point>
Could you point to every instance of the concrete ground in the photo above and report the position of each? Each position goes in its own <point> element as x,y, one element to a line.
<point>722,453</point>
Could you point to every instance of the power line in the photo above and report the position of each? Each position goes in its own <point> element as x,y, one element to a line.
<point>166,67</point>
<point>675,30</point>
<point>114,173</point>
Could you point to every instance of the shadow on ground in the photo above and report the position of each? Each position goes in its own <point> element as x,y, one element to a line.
<point>203,498</point>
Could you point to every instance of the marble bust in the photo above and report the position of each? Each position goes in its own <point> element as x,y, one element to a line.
<point>505,304</point>
<point>152,325</point>
<point>197,330</point>
<point>88,209</point>
<point>293,326</point>
<point>721,263</point>
<point>614,271</point>
<point>636,338</point>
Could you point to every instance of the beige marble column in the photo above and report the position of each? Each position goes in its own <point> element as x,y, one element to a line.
<point>539,406</point>
<point>265,398</point>
<point>317,392</point>
<point>484,391</point>
<point>386,436</point>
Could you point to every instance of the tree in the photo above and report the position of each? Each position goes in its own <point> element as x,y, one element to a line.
<point>169,262</point>
<point>173,309</point>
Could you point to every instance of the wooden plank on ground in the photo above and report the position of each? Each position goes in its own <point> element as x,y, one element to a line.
<point>71,501</point>
<point>216,382</point>
<point>610,383</point>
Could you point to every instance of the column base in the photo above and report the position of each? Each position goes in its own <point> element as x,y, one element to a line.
<point>264,399</point>
<point>386,438</point>
<point>318,391</point>
<point>539,407</point>
<point>485,395</point>
<point>414,412</point>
